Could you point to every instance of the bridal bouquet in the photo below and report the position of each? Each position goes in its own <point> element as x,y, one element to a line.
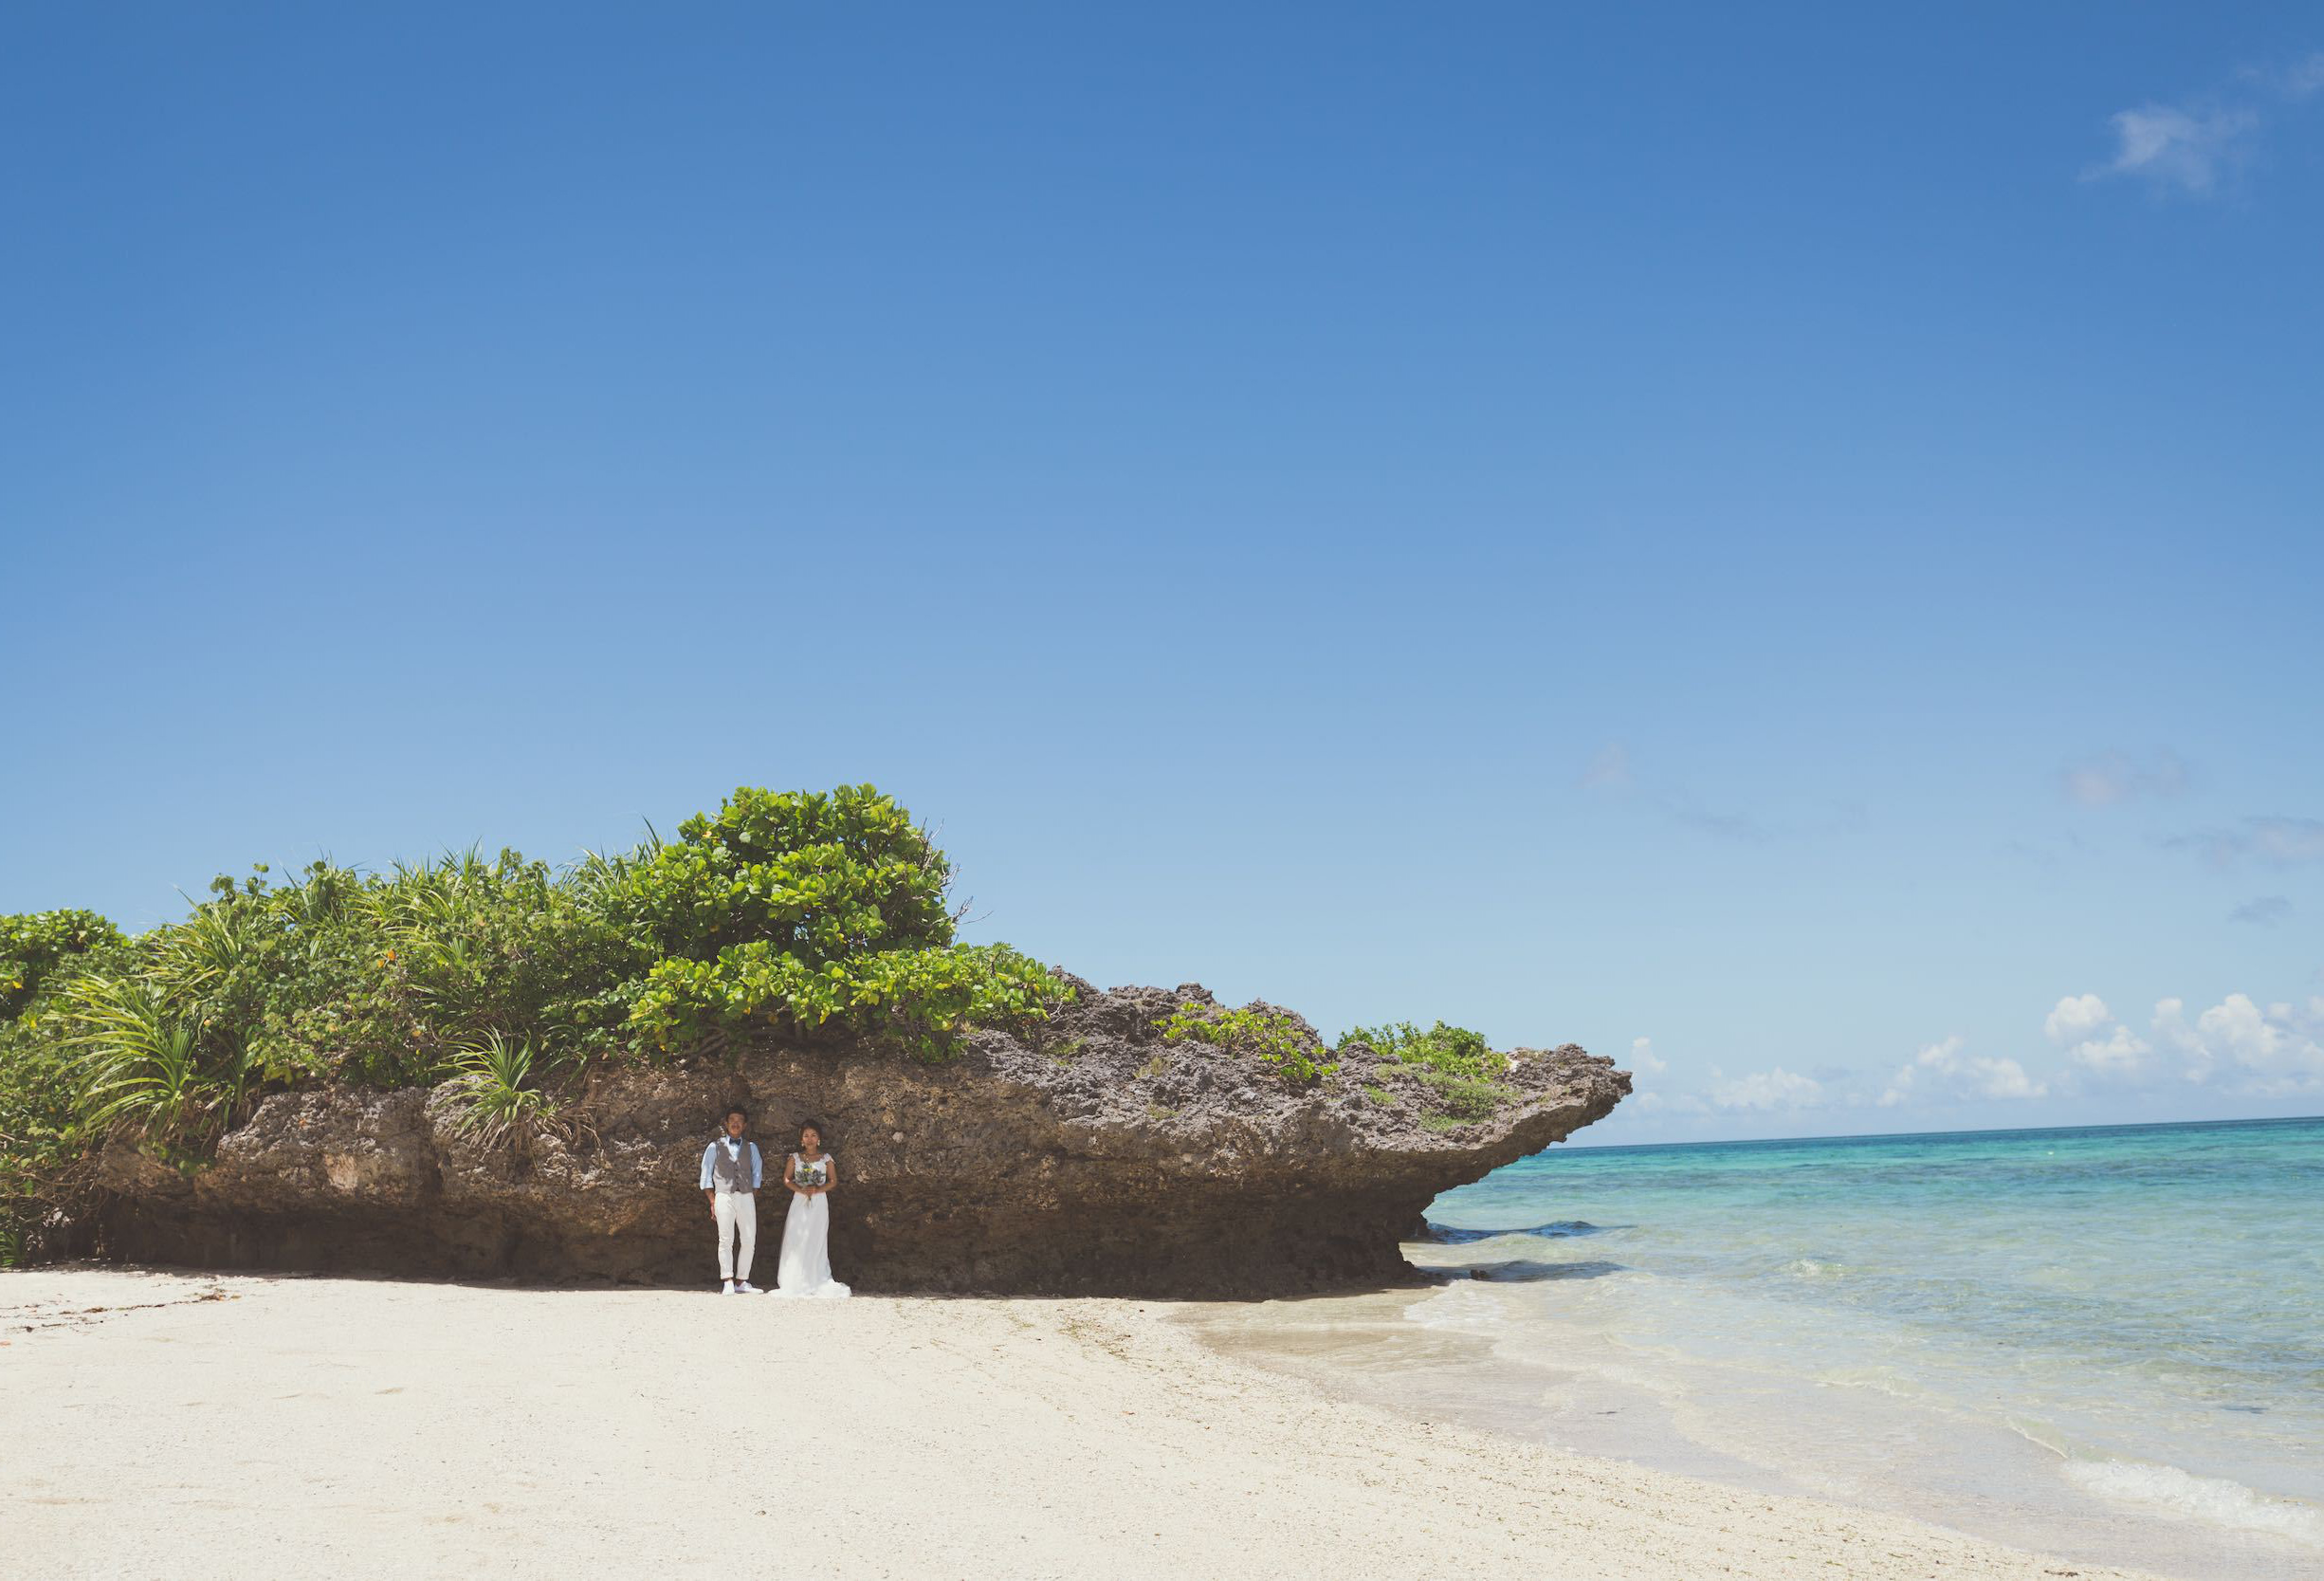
<point>808,1174</point>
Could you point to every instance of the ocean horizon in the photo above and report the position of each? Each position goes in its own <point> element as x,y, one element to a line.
<point>1581,1144</point>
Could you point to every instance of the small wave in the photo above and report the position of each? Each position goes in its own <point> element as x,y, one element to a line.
<point>1881,1380</point>
<point>2211,1498</point>
<point>1809,1268</point>
<point>1464,1306</point>
<point>2043,1436</point>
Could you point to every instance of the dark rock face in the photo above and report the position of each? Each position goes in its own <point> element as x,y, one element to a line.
<point>1094,1158</point>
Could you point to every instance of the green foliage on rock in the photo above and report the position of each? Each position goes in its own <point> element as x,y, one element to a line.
<point>1458,1066</point>
<point>1275,1037</point>
<point>1466,1098</point>
<point>792,912</point>
<point>41,1171</point>
<point>499,1095</point>
<point>1454,1050</point>
<point>805,910</point>
<point>36,946</point>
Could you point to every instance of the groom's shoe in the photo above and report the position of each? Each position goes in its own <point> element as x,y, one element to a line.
<point>744,1287</point>
<point>729,1290</point>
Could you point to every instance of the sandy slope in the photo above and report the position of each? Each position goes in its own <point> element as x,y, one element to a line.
<point>186,1425</point>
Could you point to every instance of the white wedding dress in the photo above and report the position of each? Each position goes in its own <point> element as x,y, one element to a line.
<point>805,1268</point>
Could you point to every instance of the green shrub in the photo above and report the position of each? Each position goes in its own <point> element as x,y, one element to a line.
<point>799,909</point>
<point>1465,1097</point>
<point>1453,1050</point>
<point>1275,1037</point>
<point>142,1065</point>
<point>1458,1065</point>
<point>35,947</point>
<point>808,910</point>
<point>42,1164</point>
<point>796,911</point>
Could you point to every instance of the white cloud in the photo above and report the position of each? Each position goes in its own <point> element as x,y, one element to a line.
<point>2120,1054</point>
<point>1944,1072</point>
<point>1764,1090</point>
<point>2190,147</point>
<point>2005,1078</point>
<point>2301,78</point>
<point>2182,150</point>
<point>2112,777</point>
<point>2076,1018</point>
<point>2274,1051</point>
<point>1761,1091</point>
<point>2279,842</point>
<point>2094,1040</point>
<point>2285,840</point>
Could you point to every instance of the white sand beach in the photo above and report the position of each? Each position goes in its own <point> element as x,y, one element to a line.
<point>189,1425</point>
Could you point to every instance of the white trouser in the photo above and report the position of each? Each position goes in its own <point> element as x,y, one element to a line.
<point>737,1213</point>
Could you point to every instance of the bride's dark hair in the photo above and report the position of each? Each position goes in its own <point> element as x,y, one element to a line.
<point>816,1125</point>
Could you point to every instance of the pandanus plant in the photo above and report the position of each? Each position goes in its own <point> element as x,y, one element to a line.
<point>145,1068</point>
<point>497,1101</point>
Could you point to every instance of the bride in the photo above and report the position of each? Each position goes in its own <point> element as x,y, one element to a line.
<point>806,1265</point>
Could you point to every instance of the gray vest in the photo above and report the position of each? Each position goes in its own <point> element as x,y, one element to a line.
<point>731,1174</point>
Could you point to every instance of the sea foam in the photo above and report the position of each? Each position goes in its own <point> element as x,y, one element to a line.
<point>2210,1498</point>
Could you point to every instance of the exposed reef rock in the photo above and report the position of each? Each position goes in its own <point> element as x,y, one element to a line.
<point>1091,1158</point>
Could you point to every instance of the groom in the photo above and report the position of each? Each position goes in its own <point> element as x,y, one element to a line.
<point>730,1176</point>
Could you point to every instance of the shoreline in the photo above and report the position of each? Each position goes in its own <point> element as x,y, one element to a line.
<point>1563,1389</point>
<point>201,1424</point>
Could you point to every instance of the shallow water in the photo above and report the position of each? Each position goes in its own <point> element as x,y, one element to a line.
<point>2099,1342</point>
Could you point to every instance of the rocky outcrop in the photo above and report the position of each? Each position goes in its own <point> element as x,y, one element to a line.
<point>1094,1158</point>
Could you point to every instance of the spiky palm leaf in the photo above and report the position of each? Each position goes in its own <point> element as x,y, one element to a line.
<point>497,1103</point>
<point>140,1062</point>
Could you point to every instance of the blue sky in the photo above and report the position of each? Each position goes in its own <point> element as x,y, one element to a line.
<point>1790,536</point>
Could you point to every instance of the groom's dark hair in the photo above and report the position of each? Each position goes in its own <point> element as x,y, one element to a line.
<point>735,1108</point>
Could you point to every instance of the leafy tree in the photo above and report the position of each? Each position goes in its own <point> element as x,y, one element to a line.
<point>809,909</point>
<point>35,947</point>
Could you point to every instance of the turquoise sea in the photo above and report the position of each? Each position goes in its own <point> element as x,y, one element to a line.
<point>2142,1307</point>
<point>2103,1343</point>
